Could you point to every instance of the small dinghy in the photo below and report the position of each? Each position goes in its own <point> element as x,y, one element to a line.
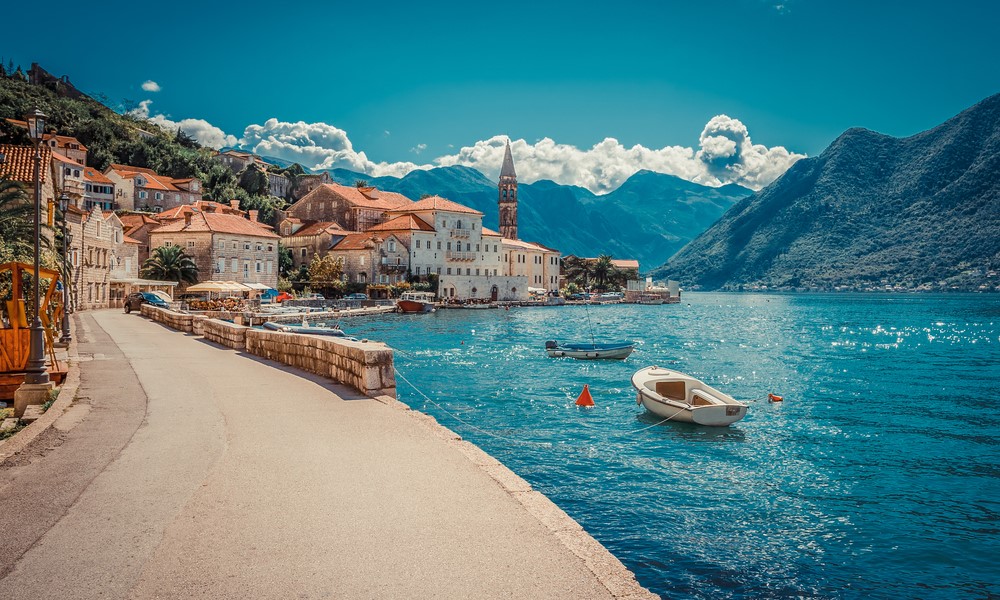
<point>310,329</point>
<point>679,397</point>
<point>590,351</point>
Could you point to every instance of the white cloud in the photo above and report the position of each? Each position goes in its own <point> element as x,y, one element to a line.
<point>725,154</point>
<point>150,86</point>
<point>201,130</point>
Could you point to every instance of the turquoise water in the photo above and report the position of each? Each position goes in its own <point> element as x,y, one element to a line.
<point>877,477</point>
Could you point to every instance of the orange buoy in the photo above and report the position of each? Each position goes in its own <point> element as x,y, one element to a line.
<point>774,398</point>
<point>585,399</point>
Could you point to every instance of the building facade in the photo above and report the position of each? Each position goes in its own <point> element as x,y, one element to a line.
<point>508,196</point>
<point>373,258</point>
<point>138,188</point>
<point>307,239</point>
<point>354,208</point>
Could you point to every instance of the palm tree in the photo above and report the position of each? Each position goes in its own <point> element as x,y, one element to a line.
<point>17,216</point>
<point>602,270</point>
<point>170,263</point>
<point>577,270</point>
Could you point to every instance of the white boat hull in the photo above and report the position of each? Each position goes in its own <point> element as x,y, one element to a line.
<point>689,401</point>
<point>599,354</point>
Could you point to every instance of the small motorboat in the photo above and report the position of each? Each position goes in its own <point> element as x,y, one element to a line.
<point>304,328</point>
<point>590,351</point>
<point>679,397</point>
<point>416,302</point>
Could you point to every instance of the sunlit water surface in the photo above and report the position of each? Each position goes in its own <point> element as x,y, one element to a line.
<point>877,477</point>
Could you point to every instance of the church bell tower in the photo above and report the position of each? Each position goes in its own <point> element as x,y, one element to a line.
<point>508,196</point>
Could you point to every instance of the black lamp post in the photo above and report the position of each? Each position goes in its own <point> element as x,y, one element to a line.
<point>34,371</point>
<point>67,337</point>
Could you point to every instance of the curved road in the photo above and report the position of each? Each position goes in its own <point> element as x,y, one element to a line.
<point>186,470</point>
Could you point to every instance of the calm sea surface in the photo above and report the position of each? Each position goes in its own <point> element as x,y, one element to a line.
<point>878,477</point>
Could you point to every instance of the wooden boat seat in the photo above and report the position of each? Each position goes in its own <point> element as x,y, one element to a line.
<point>673,390</point>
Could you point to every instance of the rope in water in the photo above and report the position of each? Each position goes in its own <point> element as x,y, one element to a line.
<point>503,437</point>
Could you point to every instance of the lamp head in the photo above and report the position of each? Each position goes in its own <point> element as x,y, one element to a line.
<point>36,125</point>
<point>63,202</point>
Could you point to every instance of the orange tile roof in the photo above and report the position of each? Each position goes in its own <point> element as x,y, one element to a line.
<point>63,141</point>
<point>129,240</point>
<point>19,162</point>
<point>355,241</point>
<point>371,198</point>
<point>405,222</point>
<point>490,233</point>
<point>153,181</point>
<point>65,159</point>
<point>438,203</point>
<point>92,174</point>
<point>198,206</point>
<point>318,227</point>
<point>135,221</point>
<point>216,223</point>
<point>527,245</point>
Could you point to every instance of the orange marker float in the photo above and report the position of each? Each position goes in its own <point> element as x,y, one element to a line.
<point>774,398</point>
<point>585,399</point>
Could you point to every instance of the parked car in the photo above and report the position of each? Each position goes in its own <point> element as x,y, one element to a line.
<point>137,299</point>
<point>282,296</point>
<point>313,297</point>
<point>356,296</point>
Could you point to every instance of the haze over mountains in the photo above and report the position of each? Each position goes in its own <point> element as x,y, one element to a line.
<point>648,218</point>
<point>872,211</point>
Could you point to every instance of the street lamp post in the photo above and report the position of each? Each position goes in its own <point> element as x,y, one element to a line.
<point>67,337</point>
<point>35,372</point>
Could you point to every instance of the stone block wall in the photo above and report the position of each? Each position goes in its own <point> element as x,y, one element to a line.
<point>365,366</point>
<point>174,320</point>
<point>227,334</point>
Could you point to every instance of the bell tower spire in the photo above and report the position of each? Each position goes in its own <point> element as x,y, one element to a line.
<point>508,196</point>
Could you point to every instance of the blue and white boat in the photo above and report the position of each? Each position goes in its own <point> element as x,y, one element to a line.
<point>590,351</point>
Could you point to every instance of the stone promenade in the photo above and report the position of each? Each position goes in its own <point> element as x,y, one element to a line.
<point>189,470</point>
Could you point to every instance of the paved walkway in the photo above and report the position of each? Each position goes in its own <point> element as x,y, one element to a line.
<point>203,472</point>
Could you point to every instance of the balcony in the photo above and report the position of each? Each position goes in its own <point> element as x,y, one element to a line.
<point>393,268</point>
<point>461,232</point>
<point>461,256</point>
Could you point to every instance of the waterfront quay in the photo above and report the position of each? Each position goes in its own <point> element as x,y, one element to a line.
<point>185,468</point>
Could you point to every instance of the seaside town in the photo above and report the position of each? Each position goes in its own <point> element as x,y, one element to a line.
<point>426,338</point>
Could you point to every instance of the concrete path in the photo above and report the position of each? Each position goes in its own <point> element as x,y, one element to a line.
<point>201,472</point>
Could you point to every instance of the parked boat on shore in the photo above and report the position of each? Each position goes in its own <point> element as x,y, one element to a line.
<point>679,397</point>
<point>304,328</point>
<point>416,302</point>
<point>590,351</point>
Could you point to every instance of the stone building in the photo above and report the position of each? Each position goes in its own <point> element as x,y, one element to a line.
<point>540,265</point>
<point>372,258</point>
<point>235,160</point>
<point>225,247</point>
<point>100,252</point>
<point>137,188</point>
<point>308,183</point>
<point>69,177</point>
<point>306,239</point>
<point>356,209</point>
<point>98,190</point>
<point>67,146</point>
<point>137,226</point>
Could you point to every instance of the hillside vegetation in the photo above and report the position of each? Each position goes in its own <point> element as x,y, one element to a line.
<point>871,212</point>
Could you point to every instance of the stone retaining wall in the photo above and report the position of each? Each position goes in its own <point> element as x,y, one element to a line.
<point>227,334</point>
<point>174,320</point>
<point>365,366</point>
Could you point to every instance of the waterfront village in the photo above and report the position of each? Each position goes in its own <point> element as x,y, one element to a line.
<point>336,239</point>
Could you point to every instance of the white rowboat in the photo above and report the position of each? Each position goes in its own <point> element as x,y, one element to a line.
<point>679,397</point>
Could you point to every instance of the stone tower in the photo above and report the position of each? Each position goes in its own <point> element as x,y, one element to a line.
<point>508,196</point>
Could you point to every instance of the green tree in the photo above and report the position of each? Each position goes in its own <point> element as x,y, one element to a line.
<point>577,270</point>
<point>17,220</point>
<point>602,270</point>
<point>170,263</point>
<point>285,261</point>
<point>325,273</point>
<point>254,181</point>
<point>360,183</point>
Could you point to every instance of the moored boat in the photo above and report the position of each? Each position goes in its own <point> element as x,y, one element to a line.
<point>679,397</point>
<point>416,302</point>
<point>590,351</point>
<point>309,329</point>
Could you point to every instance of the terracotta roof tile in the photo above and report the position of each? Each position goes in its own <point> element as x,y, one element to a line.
<point>355,241</point>
<point>129,240</point>
<point>93,175</point>
<point>216,223</point>
<point>437,203</point>
<point>65,159</point>
<point>490,233</point>
<point>372,198</point>
<point>318,227</point>
<point>19,162</point>
<point>405,222</point>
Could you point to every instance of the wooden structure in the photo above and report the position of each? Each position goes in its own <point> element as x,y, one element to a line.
<point>15,330</point>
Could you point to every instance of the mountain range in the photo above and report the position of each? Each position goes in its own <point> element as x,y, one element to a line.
<point>648,218</point>
<point>871,212</point>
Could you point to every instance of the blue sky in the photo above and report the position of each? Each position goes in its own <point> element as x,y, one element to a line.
<point>415,83</point>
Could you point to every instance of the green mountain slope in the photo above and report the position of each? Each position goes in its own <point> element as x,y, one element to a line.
<point>872,211</point>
